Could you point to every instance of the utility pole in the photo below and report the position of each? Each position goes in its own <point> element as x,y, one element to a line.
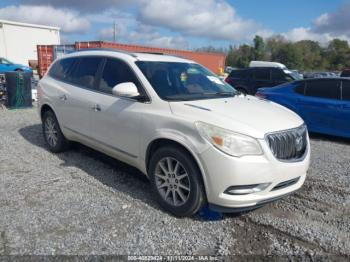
<point>115,32</point>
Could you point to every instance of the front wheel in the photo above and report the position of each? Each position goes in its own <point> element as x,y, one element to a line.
<point>176,180</point>
<point>53,134</point>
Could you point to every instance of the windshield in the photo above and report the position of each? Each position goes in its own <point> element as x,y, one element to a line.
<point>295,75</point>
<point>184,81</point>
<point>5,61</point>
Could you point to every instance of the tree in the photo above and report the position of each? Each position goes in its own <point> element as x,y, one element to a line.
<point>304,55</point>
<point>311,53</point>
<point>338,54</point>
<point>289,55</point>
<point>259,48</point>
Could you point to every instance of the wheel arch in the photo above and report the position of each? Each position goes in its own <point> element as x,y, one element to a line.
<point>161,142</point>
<point>44,108</point>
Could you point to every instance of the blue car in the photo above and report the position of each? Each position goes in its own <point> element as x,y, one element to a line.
<point>324,104</point>
<point>7,66</point>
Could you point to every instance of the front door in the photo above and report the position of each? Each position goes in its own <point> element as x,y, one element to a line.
<point>117,124</point>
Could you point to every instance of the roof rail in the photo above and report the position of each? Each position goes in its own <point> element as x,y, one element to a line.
<point>152,53</point>
<point>158,53</point>
<point>106,49</point>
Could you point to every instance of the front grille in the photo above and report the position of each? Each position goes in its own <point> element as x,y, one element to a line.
<point>288,145</point>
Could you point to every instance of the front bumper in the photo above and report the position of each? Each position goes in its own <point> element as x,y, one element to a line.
<point>222,171</point>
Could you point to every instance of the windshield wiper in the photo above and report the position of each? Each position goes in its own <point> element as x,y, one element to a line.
<point>221,94</point>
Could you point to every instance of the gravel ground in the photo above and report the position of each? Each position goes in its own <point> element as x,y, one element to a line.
<point>83,202</point>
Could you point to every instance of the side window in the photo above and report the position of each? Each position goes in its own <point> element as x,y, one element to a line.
<point>84,72</point>
<point>262,74</point>
<point>116,72</point>
<point>61,67</point>
<point>239,74</point>
<point>323,88</point>
<point>277,74</point>
<point>300,88</point>
<point>346,90</point>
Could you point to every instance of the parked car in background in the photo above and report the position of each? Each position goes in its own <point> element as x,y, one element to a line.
<point>260,74</point>
<point>195,138</point>
<point>7,66</point>
<point>301,76</point>
<point>320,75</point>
<point>324,104</point>
<point>345,73</point>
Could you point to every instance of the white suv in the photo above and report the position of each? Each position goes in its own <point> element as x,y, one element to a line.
<point>194,136</point>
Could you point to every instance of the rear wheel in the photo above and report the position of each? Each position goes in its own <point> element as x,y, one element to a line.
<point>53,134</point>
<point>176,181</point>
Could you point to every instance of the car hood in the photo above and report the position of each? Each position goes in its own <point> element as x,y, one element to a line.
<point>243,114</point>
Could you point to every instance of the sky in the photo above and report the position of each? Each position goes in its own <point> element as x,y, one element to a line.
<point>185,24</point>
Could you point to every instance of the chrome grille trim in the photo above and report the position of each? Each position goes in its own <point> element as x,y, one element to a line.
<point>288,145</point>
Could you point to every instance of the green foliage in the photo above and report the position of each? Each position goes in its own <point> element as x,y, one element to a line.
<point>259,48</point>
<point>304,55</point>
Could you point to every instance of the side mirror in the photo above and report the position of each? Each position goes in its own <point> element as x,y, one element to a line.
<point>127,89</point>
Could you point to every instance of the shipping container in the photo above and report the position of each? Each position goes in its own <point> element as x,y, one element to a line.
<point>213,61</point>
<point>48,53</point>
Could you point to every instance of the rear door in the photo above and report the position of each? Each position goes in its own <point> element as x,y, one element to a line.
<point>77,97</point>
<point>319,107</point>
<point>344,113</point>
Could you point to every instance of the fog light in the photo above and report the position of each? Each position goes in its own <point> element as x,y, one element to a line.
<point>246,189</point>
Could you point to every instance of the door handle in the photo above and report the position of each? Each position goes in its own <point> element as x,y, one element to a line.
<point>96,107</point>
<point>63,97</point>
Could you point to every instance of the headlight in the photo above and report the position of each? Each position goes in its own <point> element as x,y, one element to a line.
<point>229,142</point>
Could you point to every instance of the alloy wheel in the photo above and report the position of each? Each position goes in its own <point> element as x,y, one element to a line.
<point>172,181</point>
<point>51,132</point>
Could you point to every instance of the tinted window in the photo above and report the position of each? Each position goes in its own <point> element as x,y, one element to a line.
<point>323,88</point>
<point>277,74</point>
<point>60,68</point>
<point>346,90</point>
<point>116,72</point>
<point>345,73</point>
<point>84,72</point>
<point>262,74</point>
<point>300,88</point>
<point>239,74</point>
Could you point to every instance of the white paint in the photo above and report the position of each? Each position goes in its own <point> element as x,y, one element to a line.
<point>18,41</point>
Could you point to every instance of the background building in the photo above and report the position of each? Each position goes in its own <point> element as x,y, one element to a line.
<point>18,41</point>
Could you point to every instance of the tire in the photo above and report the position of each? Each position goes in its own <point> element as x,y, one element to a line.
<point>53,136</point>
<point>18,70</point>
<point>180,192</point>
